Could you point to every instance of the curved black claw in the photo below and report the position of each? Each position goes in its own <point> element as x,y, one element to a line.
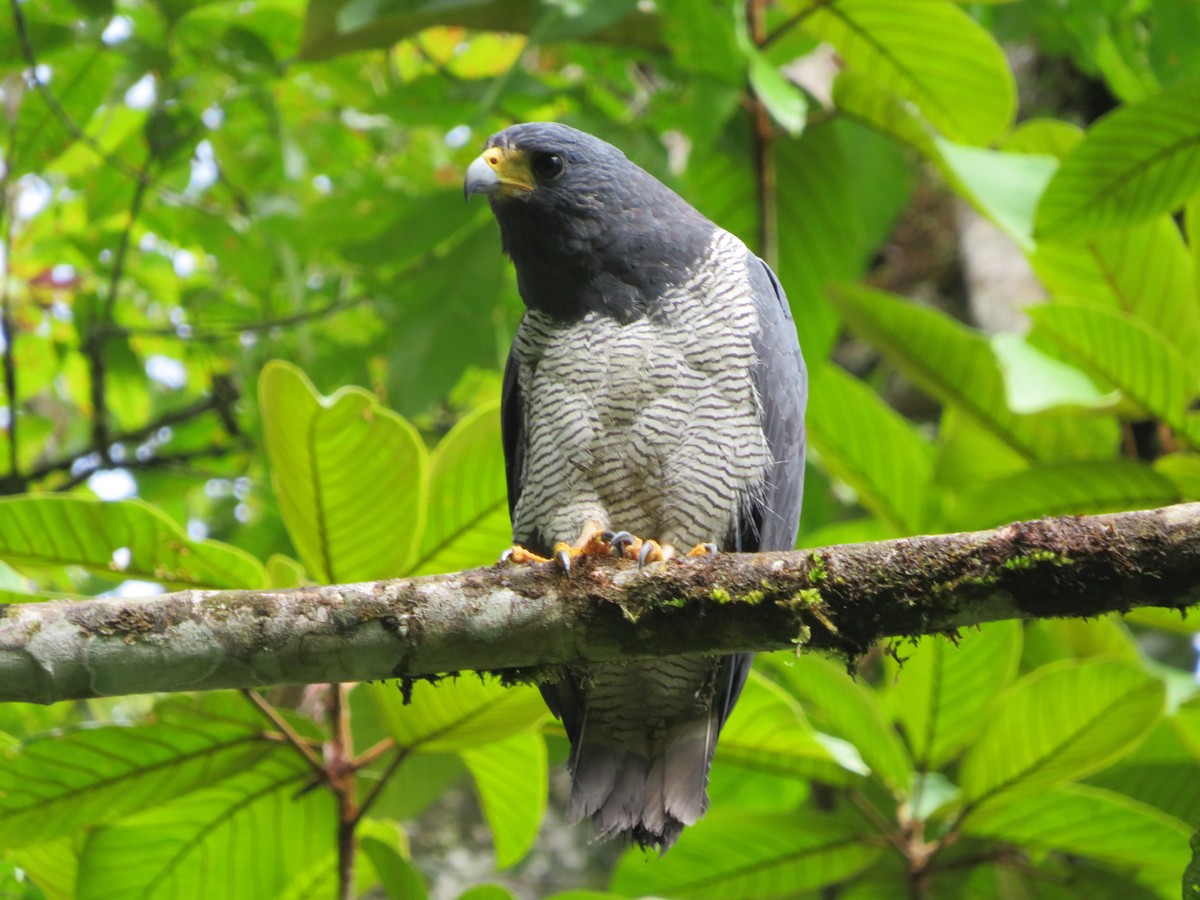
<point>620,541</point>
<point>649,548</point>
<point>564,559</point>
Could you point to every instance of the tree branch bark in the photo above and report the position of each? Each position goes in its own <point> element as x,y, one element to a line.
<point>514,619</point>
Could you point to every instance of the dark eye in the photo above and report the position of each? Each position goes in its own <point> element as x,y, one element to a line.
<point>546,165</point>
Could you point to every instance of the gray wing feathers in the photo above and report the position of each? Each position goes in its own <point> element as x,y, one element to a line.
<point>781,381</point>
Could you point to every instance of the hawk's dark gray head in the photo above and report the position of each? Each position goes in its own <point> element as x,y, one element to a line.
<point>586,228</point>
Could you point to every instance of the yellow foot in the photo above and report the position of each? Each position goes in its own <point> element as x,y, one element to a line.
<point>518,555</point>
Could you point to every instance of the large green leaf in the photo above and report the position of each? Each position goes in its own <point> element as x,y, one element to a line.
<point>55,785</point>
<point>399,877</point>
<point>929,52</point>
<point>1135,163</point>
<point>457,714</point>
<point>1064,489</point>
<point>126,538</point>
<point>822,219</point>
<point>1035,381</point>
<point>1161,772</point>
<point>467,520</point>
<point>871,447</point>
<point>1183,470</point>
<point>1005,187</point>
<point>849,710</point>
<point>1129,355</point>
<point>1060,724</point>
<point>730,856</point>
<point>957,366</point>
<point>512,780</point>
<point>767,732</point>
<point>247,836</point>
<point>944,690</point>
<point>1144,270</point>
<point>1088,821</point>
<point>349,474</point>
<point>53,866</point>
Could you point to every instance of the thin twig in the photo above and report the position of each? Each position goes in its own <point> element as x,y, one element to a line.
<point>6,318</point>
<point>373,752</point>
<point>301,745</point>
<point>384,778</point>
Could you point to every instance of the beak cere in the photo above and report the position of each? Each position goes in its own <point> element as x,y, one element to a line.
<point>499,170</point>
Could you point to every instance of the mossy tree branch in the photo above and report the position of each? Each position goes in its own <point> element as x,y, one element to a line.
<point>841,598</point>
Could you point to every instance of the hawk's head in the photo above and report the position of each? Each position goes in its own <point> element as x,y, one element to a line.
<point>586,228</point>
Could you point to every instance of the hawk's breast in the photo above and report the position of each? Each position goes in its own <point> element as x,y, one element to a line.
<point>651,426</point>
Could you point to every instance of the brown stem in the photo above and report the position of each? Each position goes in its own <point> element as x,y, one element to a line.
<point>6,318</point>
<point>339,765</point>
<point>764,158</point>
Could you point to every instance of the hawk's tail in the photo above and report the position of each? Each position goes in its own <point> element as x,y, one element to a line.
<point>647,790</point>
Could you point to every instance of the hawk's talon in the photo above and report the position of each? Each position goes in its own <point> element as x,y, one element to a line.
<point>649,552</point>
<point>622,542</point>
<point>506,555</point>
<point>562,553</point>
<point>708,549</point>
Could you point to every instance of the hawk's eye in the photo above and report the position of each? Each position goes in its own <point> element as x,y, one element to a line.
<point>546,165</point>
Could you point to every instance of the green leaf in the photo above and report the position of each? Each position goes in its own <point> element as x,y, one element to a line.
<point>1060,724</point>
<point>703,40</point>
<point>943,692</point>
<point>248,835</point>
<point>334,27</point>
<point>1144,270</point>
<point>784,101</point>
<point>929,52</point>
<point>1035,381</point>
<point>467,521</point>
<point>956,366</point>
<point>1161,772</point>
<point>1128,354</point>
<point>1087,821</point>
<point>457,714</point>
<point>820,226</point>
<point>1106,636</point>
<point>1139,161</point>
<point>56,785</point>
<point>871,447</point>
<point>1065,489</point>
<point>1183,470</point>
<point>1005,187</point>
<point>767,732</point>
<point>1191,875</point>
<point>512,779</point>
<point>400,878</point>
<point>52,866</point>
<point>870,103</point>
<point>349,474</point>
<point>730,856</point>
<point>968,453</point>
<point>487,892</point>
<point>849,710</point>
<point>126,538</point>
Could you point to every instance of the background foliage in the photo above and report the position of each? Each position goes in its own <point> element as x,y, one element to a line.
<point>191,190</point>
